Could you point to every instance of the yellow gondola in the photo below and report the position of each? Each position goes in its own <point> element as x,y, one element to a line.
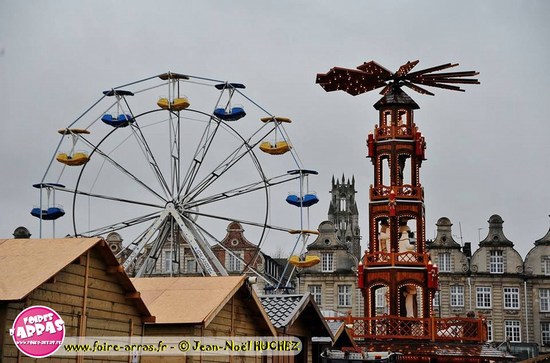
<point>178,104</point>
<point>307,261</point>
<point>278,148</point>
<point>78,158</point>
<point>303,231</point>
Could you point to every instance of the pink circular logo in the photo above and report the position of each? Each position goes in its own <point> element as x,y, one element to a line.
<point>38,331</point>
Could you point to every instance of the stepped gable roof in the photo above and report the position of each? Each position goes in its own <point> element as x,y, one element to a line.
<point>235,239</point>
<point>496,237</point>
<point>444,237</point>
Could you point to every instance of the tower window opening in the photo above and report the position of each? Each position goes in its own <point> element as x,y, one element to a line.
<point>383,235</point>
<point>406,237</point>
<point>405,176</point>
<point>402,118</point>
<point>385,175</point>
<point>386,121</point>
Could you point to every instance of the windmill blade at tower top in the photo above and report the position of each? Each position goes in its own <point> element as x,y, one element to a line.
<point>416,88</point>
<point>433,69</point>
<point>375,69</point>
<point>406,68</point>
<point>351,81</point>
<point>371,75</point>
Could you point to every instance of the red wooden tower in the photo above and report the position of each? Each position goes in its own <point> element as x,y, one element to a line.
<point>396,267</point>
<point>396,260</point>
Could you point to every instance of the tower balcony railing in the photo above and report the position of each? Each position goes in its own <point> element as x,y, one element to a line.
<point>407,258</point>
<point>406,191</point>
<point>388,327</point>
<point>393,132</point>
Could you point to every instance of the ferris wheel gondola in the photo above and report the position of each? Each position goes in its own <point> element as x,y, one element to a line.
<point>73,157</point>
<point>229,112</point>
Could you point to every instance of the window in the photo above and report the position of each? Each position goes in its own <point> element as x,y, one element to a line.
<point>512,330</point>
<point>167,261</point>
<point>327,262</point>
<point>381,297</point>
<point>190,265</point>
<point>545,333</point>
<point>457,296</point>
<point>511,297</point>
<point>545,267</point>
<point>315,291</point>
<point>344,295</point>
<point>496,262</point>
<point>436,301</point>
<point>444,262</point>
<point>343,204</point>
<point>233,261</point>
<point>489,330</point>
<point>483,297</point>
<point>544,297</point>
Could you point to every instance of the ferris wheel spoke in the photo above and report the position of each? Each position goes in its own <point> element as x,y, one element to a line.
<point>232,159</point>
<point>175,156</point>
<point>150,158</point>
<point>245,147</point>
<point>241,221</point>
<point>124,171</point>
<point>249,188</point>
<point>120,225</point>
<point>203,146</point>
<point>108,197</point>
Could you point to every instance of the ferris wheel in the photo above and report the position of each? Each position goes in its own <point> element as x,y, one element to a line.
<point>175,158</point>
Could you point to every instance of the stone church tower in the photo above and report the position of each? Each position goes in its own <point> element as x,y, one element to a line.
<point>343,213</point>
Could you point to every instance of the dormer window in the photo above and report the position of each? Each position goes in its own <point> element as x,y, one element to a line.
<point>496,262</point>
<point>444,262</point>
<point>327,262</point>
<point>545,267</point>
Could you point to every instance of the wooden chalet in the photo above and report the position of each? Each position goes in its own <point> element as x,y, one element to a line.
<point>203,307</point>
<point>80,279</point>
<point>297,316</point>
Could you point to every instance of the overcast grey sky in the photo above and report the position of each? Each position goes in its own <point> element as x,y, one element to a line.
<point>487,148</point>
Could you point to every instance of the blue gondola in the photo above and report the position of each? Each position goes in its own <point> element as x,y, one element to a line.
<point>49,214</point>
<point>121,120</point>
<point>232,114</point>
<point>307,201</point>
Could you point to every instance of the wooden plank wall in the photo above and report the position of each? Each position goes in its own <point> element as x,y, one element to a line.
<point>236,318</point>
<point>108,312</point>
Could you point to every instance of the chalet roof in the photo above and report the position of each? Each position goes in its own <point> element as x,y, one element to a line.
<point>285,310</point>
<point>25,264</point>
<point>343,338</point>
<point>192,300</point>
